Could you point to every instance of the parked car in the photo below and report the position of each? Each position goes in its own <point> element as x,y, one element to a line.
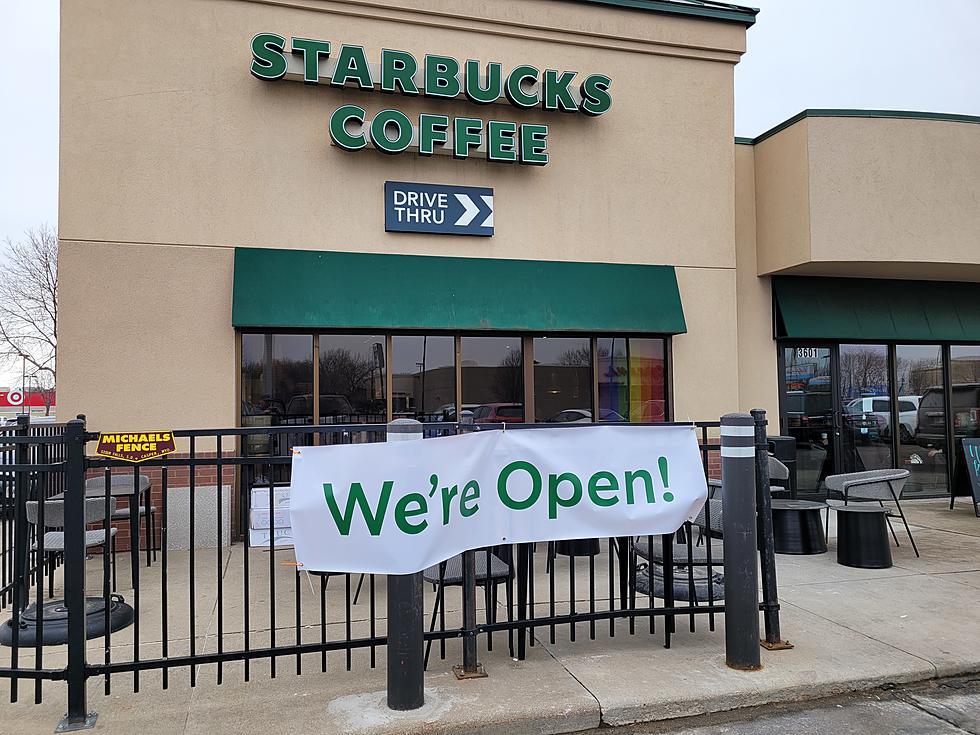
<point>931,429</point>
<point>583,416</point>
<point>880,406</point>
<point>499,413</point>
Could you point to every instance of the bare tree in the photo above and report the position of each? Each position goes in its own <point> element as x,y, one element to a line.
<point>29,307</point>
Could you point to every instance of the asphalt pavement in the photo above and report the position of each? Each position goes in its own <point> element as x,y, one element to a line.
<point>942,707</point>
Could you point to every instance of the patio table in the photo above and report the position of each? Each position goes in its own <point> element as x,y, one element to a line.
<point>123,487</point>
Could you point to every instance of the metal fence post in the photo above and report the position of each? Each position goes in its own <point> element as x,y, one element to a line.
<point>767,551</point>
<point>406,638</point>
<point>21,543</point>
<point>78,716</point>
<point>739,540</point>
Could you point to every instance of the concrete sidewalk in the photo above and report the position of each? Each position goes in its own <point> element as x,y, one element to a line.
<point>853,630</point>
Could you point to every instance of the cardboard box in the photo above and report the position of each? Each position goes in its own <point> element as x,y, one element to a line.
<point>260,497</point>
<point>262,519</point>
<point>258,538</point>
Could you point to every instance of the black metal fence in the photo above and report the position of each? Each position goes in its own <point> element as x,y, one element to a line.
<point>195,564</point>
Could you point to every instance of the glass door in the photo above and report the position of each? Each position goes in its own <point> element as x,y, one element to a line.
<point>808,412</point>
<point>865,408</point>
<point>921,413</point>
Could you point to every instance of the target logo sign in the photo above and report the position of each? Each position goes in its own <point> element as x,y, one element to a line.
<point>15,397</point>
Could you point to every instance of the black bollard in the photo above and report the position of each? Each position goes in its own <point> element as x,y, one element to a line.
<point>406,644</point>
<point>740,544</point>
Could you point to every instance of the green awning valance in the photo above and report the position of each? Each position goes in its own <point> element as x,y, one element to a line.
<point>871,309</point>
<point>316,289</point>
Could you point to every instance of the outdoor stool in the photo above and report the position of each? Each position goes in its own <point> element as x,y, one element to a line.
<point>450,573</point>
<point>862,537</point>
<point>797,527</point>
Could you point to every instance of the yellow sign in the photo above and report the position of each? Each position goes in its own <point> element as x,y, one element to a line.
<point>133,447</point>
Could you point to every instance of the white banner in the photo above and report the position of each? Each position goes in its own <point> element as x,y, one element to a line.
<point>397,508</point>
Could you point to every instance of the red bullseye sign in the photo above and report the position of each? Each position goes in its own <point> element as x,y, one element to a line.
<point>15,397</point>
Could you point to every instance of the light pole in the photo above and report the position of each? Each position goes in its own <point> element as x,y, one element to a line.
<point>23,383</point>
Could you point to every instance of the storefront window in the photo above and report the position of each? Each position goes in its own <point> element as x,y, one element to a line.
<point>921,418</point>
<point>423,377</point>
<point>277,382</point>
<point>865,408</point>
<point>631,376</point>
<point>964,369</point>
<point>563,379</point>
<point>352,379</point>
<point>277,374</point>
<point>492,379</point>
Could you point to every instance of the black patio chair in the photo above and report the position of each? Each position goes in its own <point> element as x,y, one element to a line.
<point>450,573</point>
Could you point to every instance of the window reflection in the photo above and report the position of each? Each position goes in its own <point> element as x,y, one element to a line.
<point>492,375</point>
<point>865,402</point>
<point>921,418</point>
<point>563,379</point>
<point>352,379</point>
<point>631,379</point>
<point>277,370</point>
<point>964,371</point>
<point>423,377</point>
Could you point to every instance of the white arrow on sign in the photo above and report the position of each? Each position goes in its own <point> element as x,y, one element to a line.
<point>488,200</point>
<point>470,210</point>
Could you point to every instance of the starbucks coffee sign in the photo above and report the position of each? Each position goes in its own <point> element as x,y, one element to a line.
<point>439,77</point>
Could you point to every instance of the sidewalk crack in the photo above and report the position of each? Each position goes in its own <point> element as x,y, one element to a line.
<point>577,680</point>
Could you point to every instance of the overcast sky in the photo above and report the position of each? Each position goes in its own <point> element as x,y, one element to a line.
<point>877,54</point>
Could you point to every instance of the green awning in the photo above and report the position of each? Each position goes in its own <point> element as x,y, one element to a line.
<point>316,289</point>
<point>871,309</point>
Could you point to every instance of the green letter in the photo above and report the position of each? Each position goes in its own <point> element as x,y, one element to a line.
<point>647,481</point>
<point>505,474</point>
<point>596,99</point>
<point>495,87</point>
<point>379,131</point>
<point>441,76</point>
<point>268,61</point>
<point>515,87</point>
<point>398,70</point>
<point>338,127</point>
<point>471,492</point>
<point>609,483</point>
<point>403,513</point>
<point>554,499</point>
<point>374,521</point>
<point>311,52</point>
<point>352,64</point>
<point>557,95</point>
<point>466,135</point>
<point>432,130</point>
<point>501,144</point>
<point>534,145</point>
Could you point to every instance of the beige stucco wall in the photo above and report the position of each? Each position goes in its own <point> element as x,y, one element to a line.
<point>145,337</point>
<point>782,199</point>
<point>172,154</point>
<point>169,139</point>
<point>705,376</point>
<point>758,385</point>
<point>870,197</point>
<point>905,191</point>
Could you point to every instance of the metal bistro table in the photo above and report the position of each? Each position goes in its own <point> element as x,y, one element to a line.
<point>125,487</point>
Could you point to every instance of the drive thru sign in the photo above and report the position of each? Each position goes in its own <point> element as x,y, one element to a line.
<point>438,209</point>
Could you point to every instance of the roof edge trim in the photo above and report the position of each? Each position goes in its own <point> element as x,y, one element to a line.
<point>832,112</point>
